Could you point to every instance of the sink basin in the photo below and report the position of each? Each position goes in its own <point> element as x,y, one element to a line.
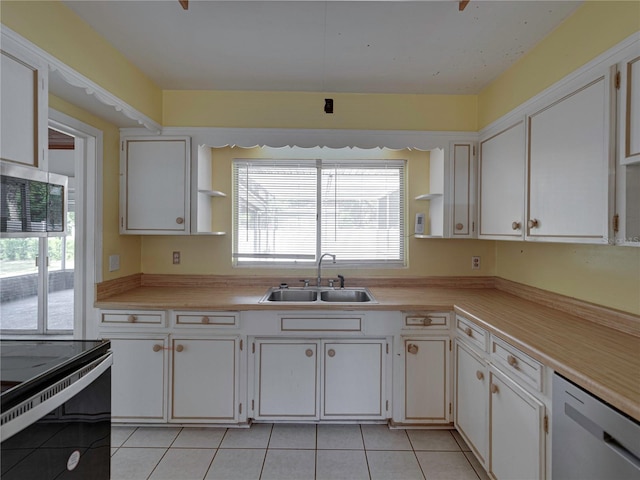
<point>290,295</point>
<point>312,294</point>
<point>347,296</point>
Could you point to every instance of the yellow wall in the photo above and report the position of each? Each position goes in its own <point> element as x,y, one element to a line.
<point>59,31</point>
<point>212,255</point>
<point>593,28</point>
<point>128,247</point>
<point>306,110</point>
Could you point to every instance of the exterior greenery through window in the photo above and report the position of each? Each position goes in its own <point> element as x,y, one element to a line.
<point>292,211</point>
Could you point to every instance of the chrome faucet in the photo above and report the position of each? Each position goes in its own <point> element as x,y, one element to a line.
<point>320,266</point>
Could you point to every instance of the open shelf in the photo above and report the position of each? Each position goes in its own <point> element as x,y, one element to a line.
<point>212,193</point>
<point>428,196</point>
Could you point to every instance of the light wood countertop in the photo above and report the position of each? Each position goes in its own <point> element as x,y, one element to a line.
<point>602,360</point>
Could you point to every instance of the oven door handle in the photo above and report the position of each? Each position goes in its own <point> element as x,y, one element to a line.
<point>30,411</point>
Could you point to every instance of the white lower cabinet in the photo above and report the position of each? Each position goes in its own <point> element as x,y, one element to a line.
<point>204,379</point>
<point>426,380</point>
<point>472,400</point>
<point>293,383</point>
<point>139,378</point>
<point>516,431</point>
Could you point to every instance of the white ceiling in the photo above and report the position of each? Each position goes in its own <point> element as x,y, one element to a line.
<point>424,47</point>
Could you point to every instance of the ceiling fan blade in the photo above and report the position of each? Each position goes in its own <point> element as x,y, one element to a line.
<point>185,4</point>
<point>463,4</point>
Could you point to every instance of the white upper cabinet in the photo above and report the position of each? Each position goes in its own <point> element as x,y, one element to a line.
<point>23,106</point>
<point>155,185</point>
<point>569,163</point>
<point>501,174</point>
<point>628,167</point>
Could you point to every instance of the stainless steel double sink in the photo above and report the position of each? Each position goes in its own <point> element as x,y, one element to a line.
<point>315,294</point>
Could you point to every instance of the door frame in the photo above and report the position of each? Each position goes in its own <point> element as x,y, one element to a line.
<point>88,241</point>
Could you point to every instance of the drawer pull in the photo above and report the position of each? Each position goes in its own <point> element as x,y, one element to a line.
<point>494,388</point>
<point>309,352</point>
<point>468,331</point>
<point>331,352</point>
<point>205,319</point>
<point>479,375</point>
<point>179,220</point>
<point>413,349</point>
<point>513,361</point>
<point>459,226</point>
<point>132,319</point>
<point>179,348</point>
<point>426,321</point>
<point>157,348</point>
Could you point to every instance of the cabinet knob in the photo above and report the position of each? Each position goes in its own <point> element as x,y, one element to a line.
<point>132,319</point>
<point>179,220</point>
<point>205,319</point>
<point>331,352</point>
<point>413,349</point>
<point>515,226</point>
<point>309,352</point>
<point>468,331</point>
<point>479,375</point>
<point>533,223</point>
<point>494,388</point>
<point>157,348</point>
<point>513,361</point>
<point>459,226</point>
<point>426,321</point>
<point>179,348</point>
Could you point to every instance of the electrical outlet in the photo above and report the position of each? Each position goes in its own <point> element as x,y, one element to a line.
<point>114,263</point>
<point>475,263</point>
<point>176,258</point>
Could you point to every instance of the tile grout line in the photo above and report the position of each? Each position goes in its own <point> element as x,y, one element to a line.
<point>266,451</point>
<point>215,453</point>
<point>165,452</point>
<point>364,447</point>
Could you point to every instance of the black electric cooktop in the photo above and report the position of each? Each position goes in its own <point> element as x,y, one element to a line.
<point>27,365</point>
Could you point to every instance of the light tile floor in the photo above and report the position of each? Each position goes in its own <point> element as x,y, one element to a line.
<point>285,451</point>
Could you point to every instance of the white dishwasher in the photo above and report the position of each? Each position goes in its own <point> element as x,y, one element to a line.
<point>590,439</point>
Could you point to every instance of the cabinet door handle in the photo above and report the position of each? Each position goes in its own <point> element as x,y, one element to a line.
<point>479,375</point>
<point>157,348</point>
<point>309,352</point>
<point>413,349</point>
<point>179,348</point>
<point>468,331</point>
<point>533,223</point>
<point>513,361</point>
<point>132,319</point>
<point>515,226</point>
<point>331,352</point>
<point>179,220</point>
<point>205,319</point>
<point>494,388</point>
<point>459,226</point>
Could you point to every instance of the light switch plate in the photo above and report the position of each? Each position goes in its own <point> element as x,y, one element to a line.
<point>114,263</point>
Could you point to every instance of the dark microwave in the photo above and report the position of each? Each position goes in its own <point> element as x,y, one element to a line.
<point>32,202</point>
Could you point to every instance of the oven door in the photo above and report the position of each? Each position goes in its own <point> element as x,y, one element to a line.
<point>64,432</point>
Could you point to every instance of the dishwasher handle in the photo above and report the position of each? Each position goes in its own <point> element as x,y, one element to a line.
<point>621,450</point>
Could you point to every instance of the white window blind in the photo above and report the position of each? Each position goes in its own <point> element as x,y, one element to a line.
<point>293,211</point>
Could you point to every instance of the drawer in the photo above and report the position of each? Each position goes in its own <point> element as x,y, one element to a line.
<point>471,333</point>
<point>132,318</point>
<point>321,324</point>
<point>431,320</point>
<point>207,319</point>
<point>516,364</point>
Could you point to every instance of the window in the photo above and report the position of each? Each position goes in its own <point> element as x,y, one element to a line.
<point>293,211</point>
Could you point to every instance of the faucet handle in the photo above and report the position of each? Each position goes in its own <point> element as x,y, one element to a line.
<point>341,277</point>
<point>331,280</point>
<point>306,282</point>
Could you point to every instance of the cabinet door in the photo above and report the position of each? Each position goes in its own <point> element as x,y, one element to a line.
<point>517,432</point>
<point>23,106</point>
<point>462,192</point>
<point>472,400</point>
<point>569,165</point>
<point>204,385</point>
<point>156,186</point>
<point>139,379</point>
<point>629,130</point>
<point>353,379</point>
<point>287,379</point>
<point>426,380</point>
<point>501,179</point>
